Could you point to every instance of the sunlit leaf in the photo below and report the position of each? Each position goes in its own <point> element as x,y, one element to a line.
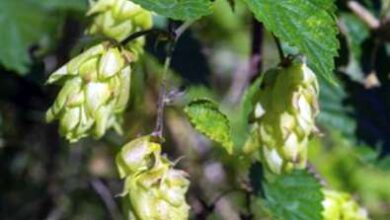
<point>210,121</point>
<point>307,24</point>
<point>179,10</point>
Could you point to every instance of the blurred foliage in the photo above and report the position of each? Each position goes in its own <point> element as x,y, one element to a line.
<point>355,169</point>
<point>42,177</point>
<point>29,22</point>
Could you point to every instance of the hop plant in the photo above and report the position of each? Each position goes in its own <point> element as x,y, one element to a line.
<point>153,188</point>
<point>95,92</point>
<point>340,206</point>
<point>117,19</point>
<point>285,108</point>
<point>137,156</point>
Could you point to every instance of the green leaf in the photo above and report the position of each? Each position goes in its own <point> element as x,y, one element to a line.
<point>74,5</point>
<point>367,154</point>
<point>294,196</point>
<point>307,24</point>
<point>25,23</point>
<point>21,24</point>
<point>210,121</point>
<point>178,9</point>
<point>384,163</point>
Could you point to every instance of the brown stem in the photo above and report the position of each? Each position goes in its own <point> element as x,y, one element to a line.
<point>106,196</point>
<point>280,49</point>
<point>158,131</point>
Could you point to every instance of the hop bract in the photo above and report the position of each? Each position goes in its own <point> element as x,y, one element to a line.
<point>117,19</point>
<point>340,206</point>
<point>153,188</point>
<point>285,108</point>
<point>95,92</point>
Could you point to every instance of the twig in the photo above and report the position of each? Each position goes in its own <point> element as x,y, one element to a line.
<point>206,212</point>
<point>248,204</point>
<point>106,197</point>
<point>223,194</point>
<point>280,49</point>
<point>312,169</point>
<point>179,31</point>
<point>143,33</point>
<point>208,208</point>
<point>158,131</point>
<point>364,14</point>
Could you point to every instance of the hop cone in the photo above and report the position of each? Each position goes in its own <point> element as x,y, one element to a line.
<point>117,19</point>
<point>285,108</point>
<point>95,92</point>
<point>153,189</point>
<point>340,206</point>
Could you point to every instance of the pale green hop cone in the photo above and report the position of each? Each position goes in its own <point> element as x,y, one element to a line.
<point>284,110</point>
<point>137,156</point>
<point>118,19</point>
<point>95,92</point>
<point>158,194</point>
<point>341,206</point>
<point>153,189</point>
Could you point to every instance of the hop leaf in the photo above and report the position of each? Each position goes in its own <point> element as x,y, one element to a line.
<point>309,25</point>
<point>294,196</point>
<point>210,121</point>
<point>178,10</point>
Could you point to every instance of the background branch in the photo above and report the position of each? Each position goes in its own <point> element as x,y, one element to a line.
<point>364,14</point>
<point>107,198</point>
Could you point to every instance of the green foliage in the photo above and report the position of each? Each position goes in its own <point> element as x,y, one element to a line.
<point>210,121</point>
<point>335,114</point>
<point>221,53</point>
<point>353,168</point>
<point>26,22</point>
<point>75,5</point>
<point>179,10</point>
<point>294,196</point>
<point>22,23</point>
<point>356,32</point>
<point>306,24</point>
